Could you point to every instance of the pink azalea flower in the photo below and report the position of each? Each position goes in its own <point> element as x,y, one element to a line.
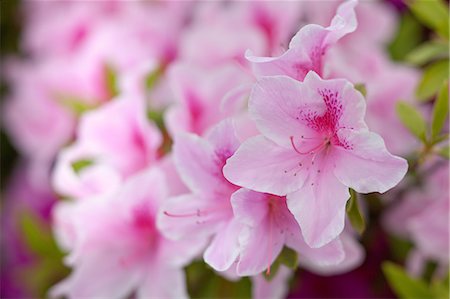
<point>307,47</point>
<point>278,287</point>
<point>315,145</point>
<point>206,211</point>
<point>219,35</point>
<point>198,92</point>
<point>422,217</point>
<point>115,248</point>
<point>369,14</point>
<point>116,140</point>
<point>268,226</point>
<point>386,84</point>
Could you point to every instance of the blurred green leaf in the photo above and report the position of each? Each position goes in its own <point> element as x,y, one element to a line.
<point>37,235</point>
<point>154,77</point>
<point>354,214</point>
<point>203,282</point>
<point>403,285</point>
<point>361,87</point>
<point>440,111</point>
<point>157,117</point>
<point>445,152</point>
<point>287,257</point>
<point>111,81</point>
<point>432,79</point>
<point>76,105</point>
<point>412,119</point>
<point>428,51</point>
<point>79,165</point>
<point>433,14</point>
<point>48,268</point>
<point>399,247</point>
<point>440,288</point>
<point>409,36</point>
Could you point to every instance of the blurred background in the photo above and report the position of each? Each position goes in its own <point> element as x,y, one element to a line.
<point>44,41</point>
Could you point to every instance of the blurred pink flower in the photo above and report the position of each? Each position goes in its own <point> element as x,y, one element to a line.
<point>308,47</point>
<point>114,142</point>
<point>198,92</point>
<point>115,248</point>
<point>422,217</point>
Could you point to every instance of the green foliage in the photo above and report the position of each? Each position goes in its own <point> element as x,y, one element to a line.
<point>432,79</point>
<point>154,77</point>
<point>354,214</point>
<point>409,288</point>
<point>203,282</point>
<point>409,36</point>
<point>444,152</point>
<point>399,247</point>
<point>47,269</point>
<point>427,52</point>
<point>77,166</point>
<point>76,105</point>
<point>433,14</point>
<point>287,257</point>
<point>412,119</point>
<point>440,111</point>
<point>403,285</point>
<point>361,87</point>
<point>111,81</point>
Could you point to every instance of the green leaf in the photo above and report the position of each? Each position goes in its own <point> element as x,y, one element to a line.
<point>403,285</point>
<point>361,87</point>
<point>77,105</point>
<point>202,282</point>
<point>154,77</point>
<point>433,14</point>
<point>445,152</point>
<point>354,214</point>
<point>440,288</point>
<point>111,81</point>
<point>77,166</point>
<point>426,52</point>
<point>408,37</point>
<point>287,257</point>
<point>432,79</point>
<point>37,235</point>
<point>440,111</point>
<point>157,117</point>
<point>399,247</point>
<point>412,119</point>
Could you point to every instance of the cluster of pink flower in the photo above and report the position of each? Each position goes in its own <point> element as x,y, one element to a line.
<point>174,137</point>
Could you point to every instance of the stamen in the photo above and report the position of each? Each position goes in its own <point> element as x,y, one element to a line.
<point>270,240</point>
<point>198,213</point>
<point>311,151</point>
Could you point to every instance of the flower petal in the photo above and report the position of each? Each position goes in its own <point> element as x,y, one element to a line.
<point>191,215</point>
<point>274,105</point>
<point>368,166</point>
<point>163,282</point>
<point>224,249</point>
<point>198,165</point>
<point>319,207</point>
<point>261,165</point>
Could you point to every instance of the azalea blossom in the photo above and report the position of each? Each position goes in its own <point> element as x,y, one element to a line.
<point>314,146</point>
<point>207,210</point>
<point>114,142</point>
<point>268,226</point>
<point>308,47</point>
<point>122,252</point>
